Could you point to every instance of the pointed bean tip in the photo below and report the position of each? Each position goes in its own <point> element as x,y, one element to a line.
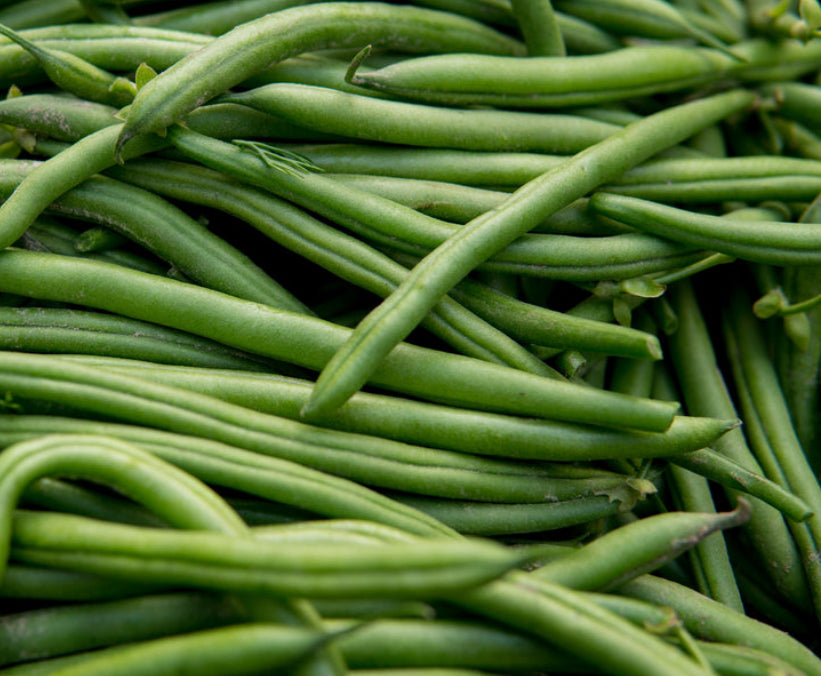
<point>654,348</point>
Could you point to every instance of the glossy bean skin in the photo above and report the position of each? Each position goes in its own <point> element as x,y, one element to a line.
<point>252,46</point>
<point>439,271</point>
<point>367,118</point>
<point>311,341</point>
<point>766,242</point>
<point>546,81</point>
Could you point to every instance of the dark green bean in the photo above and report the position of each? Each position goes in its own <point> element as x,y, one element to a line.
<point>395,317</point>
<point>163,229</point>
<point>447,643</point>
<point>253,46</point>
<point>491,519</point>
<point>310,341</point>
<point>48,632</point>
<point>240,649</point>
<point>546,81</point>
<point>713,621</point>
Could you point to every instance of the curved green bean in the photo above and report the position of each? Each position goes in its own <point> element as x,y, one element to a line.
<point>776,243</point>
<point>219,464</point>
<point>380,331</point>
<point>238,54</point>
<point>310,342</point>
<point>163,229</point>
<point>422,569</point>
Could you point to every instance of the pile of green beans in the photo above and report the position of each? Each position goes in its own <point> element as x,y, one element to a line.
<point>449,338</point>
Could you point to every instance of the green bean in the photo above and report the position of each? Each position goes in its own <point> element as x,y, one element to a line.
<point>447,643</point>
<point>548,81</point>
<point>345,256</point>
<point>647,18</point>
<point>35,583</point>
<point>58,175</point>
<point>310,342</point>
<point>369,460</point>
<point>252,46</point>
<point>61,117</point>
<point>530,324</point>
<point>178,498</point>
<point>213,18</point>
<point>76,75</point>
<point>223,465</point>
<point>566,619</point>
<point>438,164</point>
<point>539,27</point>
<point>33,329</point>
<point>48,632</point>
<point>99,239</point>
<point>629,551</point>
<point>704,389</point>
<point>440,426</point>
<point>393,225</point>
<point>728,659</point>
<point>762,241</point>
<point>422,569</point>
<point>386,121</point>
<point>211,652</point>
<point>713,621</point>
<point>491,519</point>
<point>710,559</point>
<point>711,465</point>
<point>166,231</point>
<point>771,429</point>
<point>384,327</point>
<point>29,13</point>
<point>47,234</point>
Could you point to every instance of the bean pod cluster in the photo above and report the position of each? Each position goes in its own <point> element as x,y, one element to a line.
<point>429,339</point>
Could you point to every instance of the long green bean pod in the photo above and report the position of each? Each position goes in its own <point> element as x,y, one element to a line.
<point>439,426</point>
<point>310,342</point>
<point>379,332</point>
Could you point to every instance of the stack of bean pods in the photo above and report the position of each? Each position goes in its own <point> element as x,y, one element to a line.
<point>434,339</point>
